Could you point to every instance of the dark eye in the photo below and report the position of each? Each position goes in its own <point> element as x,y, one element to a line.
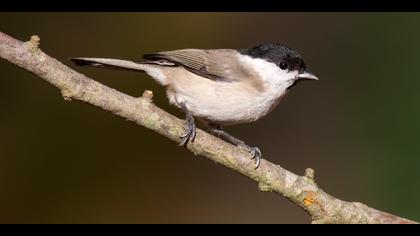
<point>283,65</point>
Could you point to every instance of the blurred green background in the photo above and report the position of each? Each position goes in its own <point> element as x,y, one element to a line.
<point>358,127</point>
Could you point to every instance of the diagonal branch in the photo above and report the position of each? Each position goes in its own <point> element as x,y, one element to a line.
<point>302,190</point>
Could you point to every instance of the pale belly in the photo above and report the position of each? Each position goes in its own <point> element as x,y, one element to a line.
<point>224,103</point>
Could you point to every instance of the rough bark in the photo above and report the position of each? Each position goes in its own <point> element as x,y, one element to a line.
<point>302,190</point>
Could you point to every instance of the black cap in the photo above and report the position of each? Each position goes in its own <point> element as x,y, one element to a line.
<point>276,53</point>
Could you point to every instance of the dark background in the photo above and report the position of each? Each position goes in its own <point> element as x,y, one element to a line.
<point>68,162</point>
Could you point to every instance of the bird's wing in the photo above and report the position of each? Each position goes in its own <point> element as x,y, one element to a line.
<point>214,64</point>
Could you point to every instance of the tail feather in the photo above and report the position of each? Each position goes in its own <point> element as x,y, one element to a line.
<point>109,63</point>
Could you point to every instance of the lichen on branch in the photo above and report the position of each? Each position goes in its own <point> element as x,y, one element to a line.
<point>302,190</point>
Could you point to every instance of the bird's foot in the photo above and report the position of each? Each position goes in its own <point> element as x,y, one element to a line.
<point>255,153</point>
<point>189,135</point>
<point>191,130</point>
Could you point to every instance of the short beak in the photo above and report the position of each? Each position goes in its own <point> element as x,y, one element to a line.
<point>306,75</point>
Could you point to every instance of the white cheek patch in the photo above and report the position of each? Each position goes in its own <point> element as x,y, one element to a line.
<point>268,72</point>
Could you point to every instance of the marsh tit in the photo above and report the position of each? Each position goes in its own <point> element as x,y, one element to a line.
<point>220,86</point>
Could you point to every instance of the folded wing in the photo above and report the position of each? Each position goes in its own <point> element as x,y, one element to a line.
<point>214,64</point>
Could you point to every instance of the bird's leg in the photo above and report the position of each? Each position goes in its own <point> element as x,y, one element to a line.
<point>254,151</point>
<point>191,130</point>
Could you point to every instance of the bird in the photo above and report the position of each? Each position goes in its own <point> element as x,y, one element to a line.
<point>220,87</point>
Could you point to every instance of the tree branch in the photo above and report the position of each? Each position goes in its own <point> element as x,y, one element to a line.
<point>302,190</point>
